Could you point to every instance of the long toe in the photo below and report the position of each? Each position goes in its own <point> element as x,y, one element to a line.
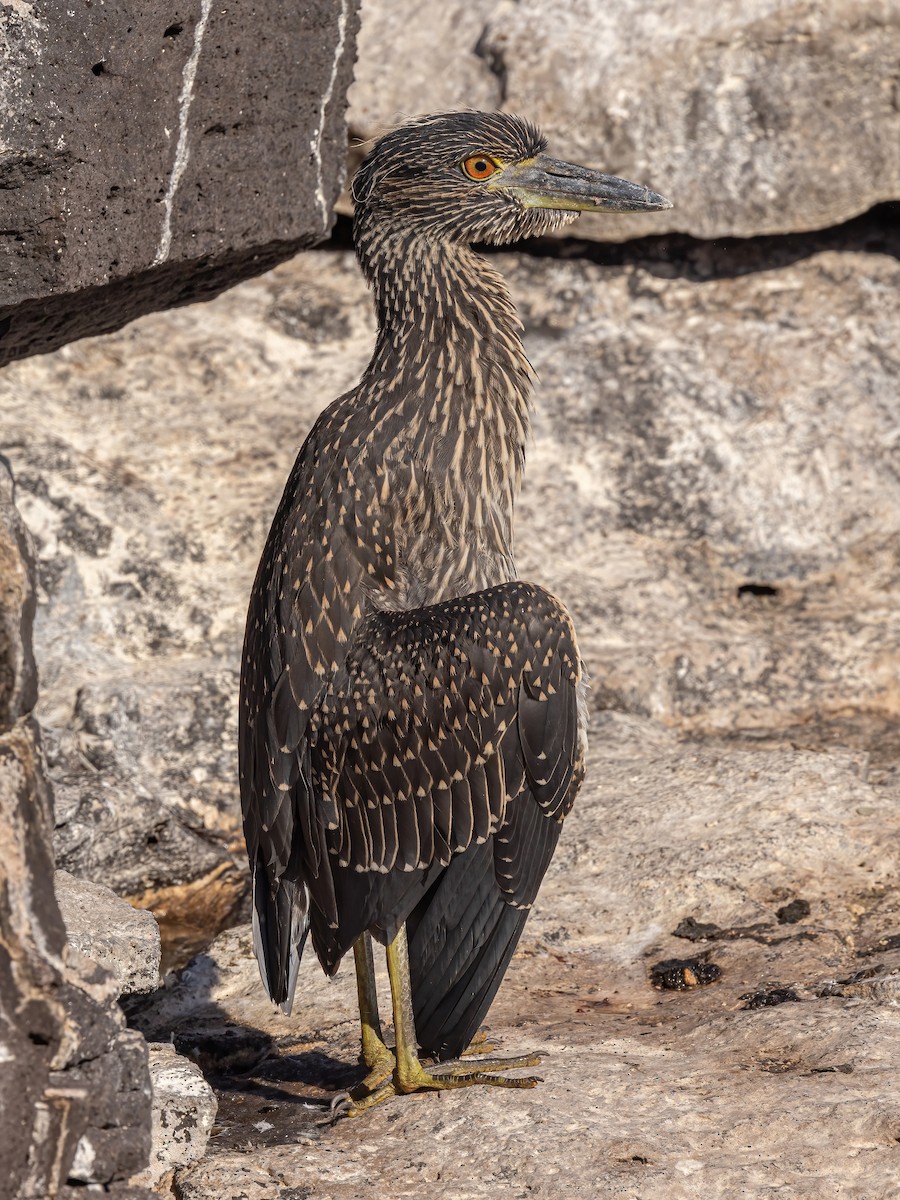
<point>465,1072</point>
<point>470,1069</point>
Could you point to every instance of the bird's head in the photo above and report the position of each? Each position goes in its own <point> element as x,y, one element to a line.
<point>481,177</point>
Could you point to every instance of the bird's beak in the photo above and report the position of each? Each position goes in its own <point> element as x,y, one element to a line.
<point>546,182</point>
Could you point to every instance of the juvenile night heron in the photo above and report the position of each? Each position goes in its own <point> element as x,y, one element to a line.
<point>412,727</point>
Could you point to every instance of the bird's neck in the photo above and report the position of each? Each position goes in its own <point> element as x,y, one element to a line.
<point>449,338</point>
<point>448,386</point>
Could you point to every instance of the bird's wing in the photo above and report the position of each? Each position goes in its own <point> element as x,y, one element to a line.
<point>446,727</point>
<point>317,563</point>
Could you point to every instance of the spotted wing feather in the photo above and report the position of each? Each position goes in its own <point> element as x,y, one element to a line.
<point>305,603</point>
<point>446,754</point>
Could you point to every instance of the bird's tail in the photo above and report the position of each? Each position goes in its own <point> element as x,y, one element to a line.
<point>461,938</point>
<point>280,926</point>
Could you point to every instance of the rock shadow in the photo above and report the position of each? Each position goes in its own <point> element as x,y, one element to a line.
<point>271,1090</point>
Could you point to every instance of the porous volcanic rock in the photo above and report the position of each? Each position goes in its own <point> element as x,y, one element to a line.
<point>184,1109</point>
<point>153,156</point>
<point>109,931</point>
<point>74,1090</point>
<point>752,116</point>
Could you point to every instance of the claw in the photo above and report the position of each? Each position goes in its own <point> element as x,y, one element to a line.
<point>339,1107</point>
<point>362,1105</point>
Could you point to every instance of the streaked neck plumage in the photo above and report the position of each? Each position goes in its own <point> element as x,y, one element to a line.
<point>449,377</point>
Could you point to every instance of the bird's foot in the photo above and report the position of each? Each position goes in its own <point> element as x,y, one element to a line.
<point>479,1045</point>
<point>381,1062</point>
<point>417,1076</point>
<point>381,1066</point>
<point>471,1068</point>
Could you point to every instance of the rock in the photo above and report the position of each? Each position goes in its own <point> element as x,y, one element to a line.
<point>121,939</point>
<point>105,1077</point>
<point>184,1109</point>
<point>18,678</point>
<point>710,482</point>
<point>650,1091</point>
<point>710,487</point>
<point>74,1091</point>
<point>445,70</point>
<point>222,151</point>
<point>752,117</point>
<point>110,779</point>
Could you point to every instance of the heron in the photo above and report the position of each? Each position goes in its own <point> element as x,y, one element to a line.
<point>412,715</point>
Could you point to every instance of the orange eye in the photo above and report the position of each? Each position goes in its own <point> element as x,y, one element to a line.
<point>480,167</point>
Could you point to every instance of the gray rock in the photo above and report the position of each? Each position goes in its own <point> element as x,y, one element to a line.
<point>109,1082</point>
<point>74,1090</point>
<point>753,117</point>
<point>444,69</point>
<point>184,1110</point>
<point>151,157</point>
<point>648,1090</point>
<point>18,678</point>
<point>128,772</point>
<point>31,942</point>
<point>109,931</point>
<point>711,487</point>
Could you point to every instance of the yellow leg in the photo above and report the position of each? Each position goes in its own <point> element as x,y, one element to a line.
<point>375,1054</point>
<point>409,1074</point>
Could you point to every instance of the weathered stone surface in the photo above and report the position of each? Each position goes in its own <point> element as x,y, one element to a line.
<point>74,1089</point>
<point>184,1109</point>
<point>18,678</point>
<point>109,931</point>
<point>645,1092</point>
<point>443,68</point>
<point>752,117</point>
<point>106,1077</point>
<point>31,941</point>
<point>128,771</point>
<point>712,488</point>
<point>721,456</point>
<point>154,156</point>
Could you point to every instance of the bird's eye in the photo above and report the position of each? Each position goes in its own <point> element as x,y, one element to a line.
<point>480,167</point>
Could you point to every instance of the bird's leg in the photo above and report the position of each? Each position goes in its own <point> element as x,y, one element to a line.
<point>409,1074</point>
<point>375,1054</point>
